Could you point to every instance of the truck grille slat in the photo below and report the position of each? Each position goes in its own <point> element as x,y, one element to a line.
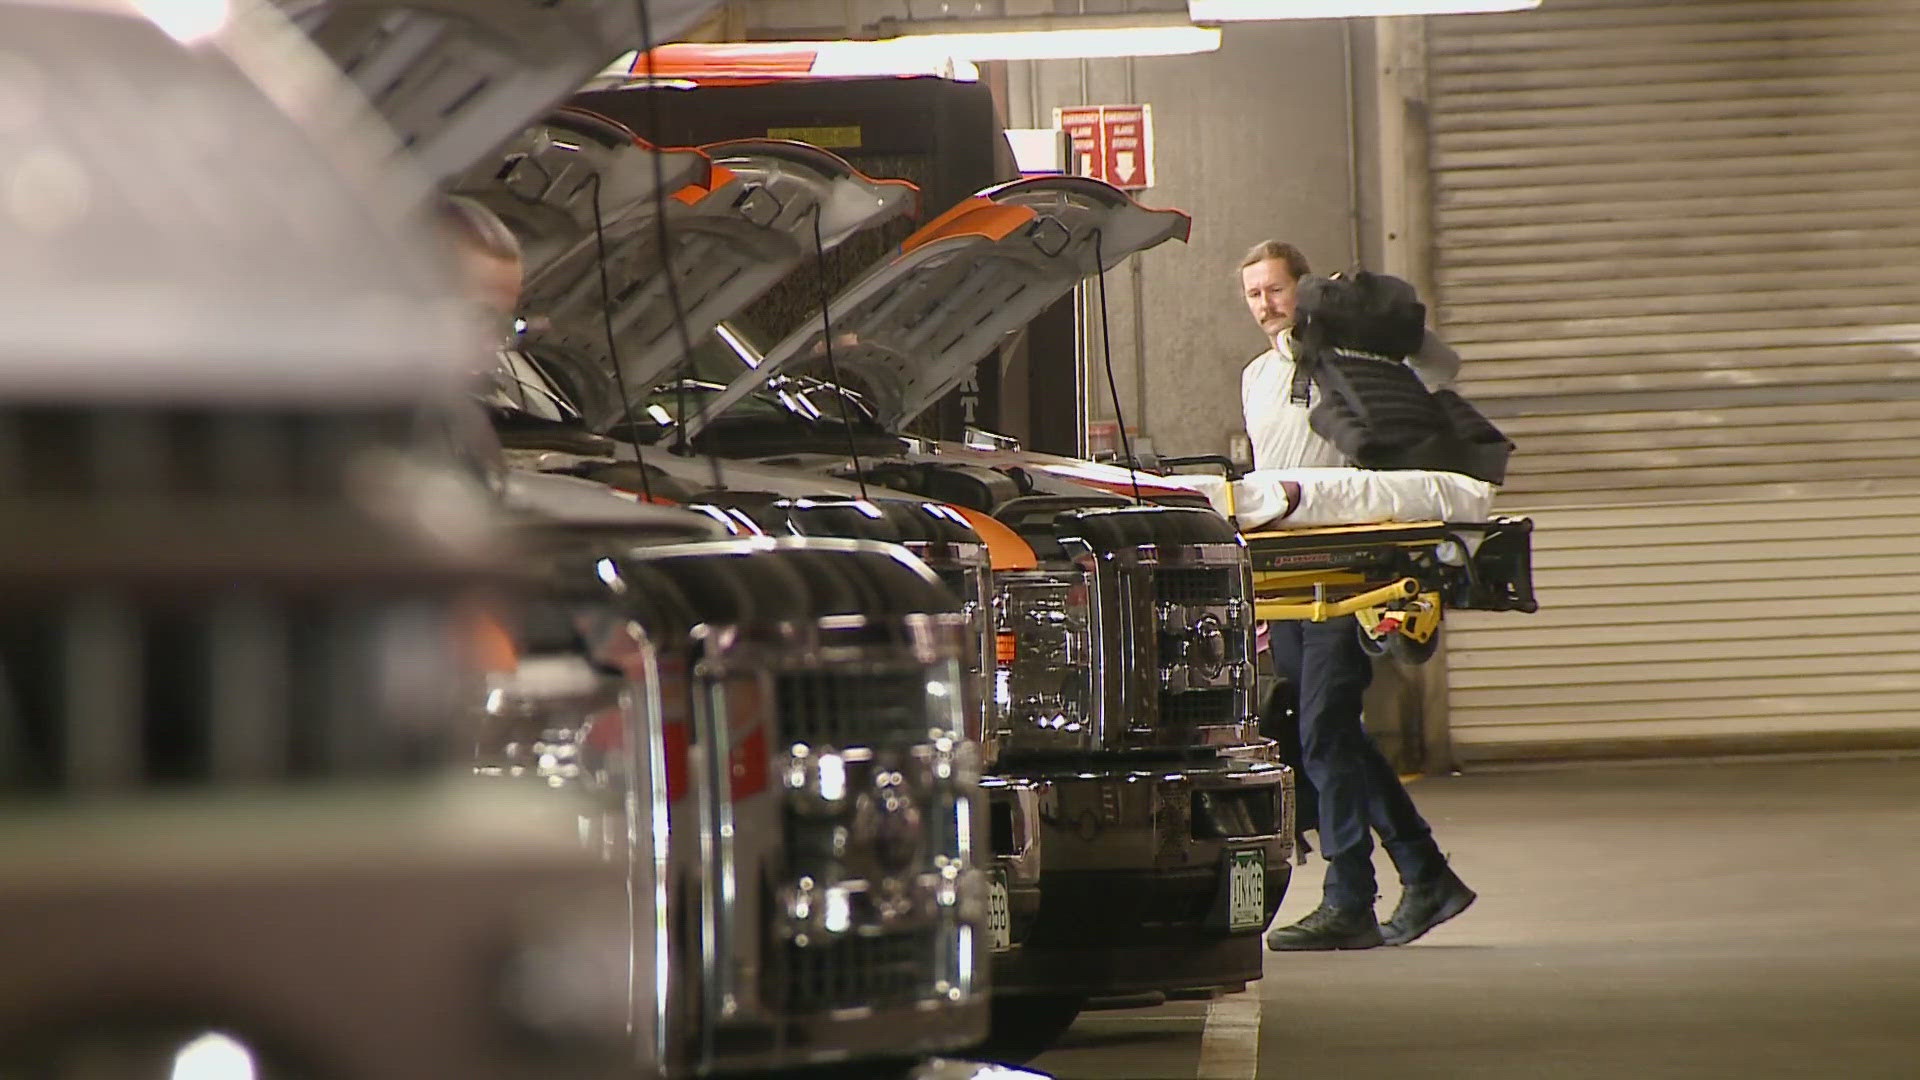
<point>1193,708</point>
<point>105,693</point>
<point>851,709</point>
<point>879,971</point>
<point>132,452</point>
<point>248,679</point>
<point>101,663</point>
<point>1195,584</point>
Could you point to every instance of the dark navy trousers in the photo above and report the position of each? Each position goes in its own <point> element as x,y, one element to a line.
<point>1360,793</point>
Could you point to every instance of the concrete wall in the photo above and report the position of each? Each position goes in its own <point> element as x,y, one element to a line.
<point>1253,141</point>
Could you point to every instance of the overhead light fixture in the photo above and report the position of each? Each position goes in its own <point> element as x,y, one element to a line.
<point>1219,11</point>
<point>187,21</point>
<point>1056,38</point>
<point>687,63</point>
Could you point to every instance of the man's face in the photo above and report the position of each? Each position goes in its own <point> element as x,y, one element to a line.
<point>1268,287</point>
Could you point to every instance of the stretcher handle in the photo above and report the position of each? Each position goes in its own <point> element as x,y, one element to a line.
<point>1226,463</point>
<point>1323,611</point>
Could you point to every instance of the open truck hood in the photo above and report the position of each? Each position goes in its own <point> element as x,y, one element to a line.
<point>740,217</point>
<point>556,179</point>
<point>456,78</point>
<point>913,327</point>
<point>133,266</point>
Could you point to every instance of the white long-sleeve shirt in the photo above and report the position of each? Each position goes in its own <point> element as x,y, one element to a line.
<point>1277,426</point>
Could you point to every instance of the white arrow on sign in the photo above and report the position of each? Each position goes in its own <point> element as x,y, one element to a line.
<point>1123,166</point>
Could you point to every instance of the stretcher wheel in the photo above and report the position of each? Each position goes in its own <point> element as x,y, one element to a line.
<point>1399,646</point>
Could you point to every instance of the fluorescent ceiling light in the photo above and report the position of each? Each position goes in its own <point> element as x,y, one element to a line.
<point>187,21</point>
<point>1075,44</point>
<point>1216,11</point>
<point>688,63</point>
<point>1058,38</point>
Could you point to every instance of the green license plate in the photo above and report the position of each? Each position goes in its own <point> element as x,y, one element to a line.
<point>1247,890</point>
<point>999,914</point>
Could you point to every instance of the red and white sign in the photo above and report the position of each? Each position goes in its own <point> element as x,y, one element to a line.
<point>1111,142</point>
<point>1082,124</point>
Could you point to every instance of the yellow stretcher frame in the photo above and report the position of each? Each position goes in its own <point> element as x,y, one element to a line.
<point>1398,611</point>
<point>1320,609</point>
<point>1401,616</point>
<point>1396,579</point>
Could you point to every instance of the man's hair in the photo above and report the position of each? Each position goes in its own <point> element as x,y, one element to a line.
<point>1276,249</point>
<point>468,221</point>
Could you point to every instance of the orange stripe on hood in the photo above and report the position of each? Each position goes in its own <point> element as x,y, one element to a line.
<point>718,176</point>
<point>972,217</point>
<point>1004,546</point>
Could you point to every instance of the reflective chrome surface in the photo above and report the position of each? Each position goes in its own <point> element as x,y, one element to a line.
<point>823,816</point>
<point>1049,663</point>
<point>1174,625</point>
<point>235,592</point>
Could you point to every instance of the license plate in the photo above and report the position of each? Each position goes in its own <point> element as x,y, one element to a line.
<point>1247,890</point>
<point>999,916</point>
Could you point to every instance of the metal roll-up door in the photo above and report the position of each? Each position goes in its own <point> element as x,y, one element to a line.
<point>1678,243</point>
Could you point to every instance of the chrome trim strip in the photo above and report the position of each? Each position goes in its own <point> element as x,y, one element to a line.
<point>647,757</point>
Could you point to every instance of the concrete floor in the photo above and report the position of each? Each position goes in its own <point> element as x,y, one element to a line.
<point>1711,919</point>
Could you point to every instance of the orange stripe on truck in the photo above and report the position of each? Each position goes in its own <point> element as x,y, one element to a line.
<point>972,217</point>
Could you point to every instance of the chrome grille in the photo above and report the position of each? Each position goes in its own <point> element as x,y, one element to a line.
<point>1200,708</point>
<point>158,455</point>
<point>104,693</point>
<point>880,971</point>
<point>815,832</point>
<point>1203,641</point>
<point>209,593</point>
<point>1196,584</point>
<point>841,708</point>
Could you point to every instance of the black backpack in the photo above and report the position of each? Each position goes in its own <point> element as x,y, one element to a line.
<point>1352,334</point>
<point>1362,312</point>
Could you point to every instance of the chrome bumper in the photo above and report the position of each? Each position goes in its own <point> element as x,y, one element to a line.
<point>1133,889</point>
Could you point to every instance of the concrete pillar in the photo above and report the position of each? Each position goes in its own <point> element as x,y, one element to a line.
<point>1408,705</point>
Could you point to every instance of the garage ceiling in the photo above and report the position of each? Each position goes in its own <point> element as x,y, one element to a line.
<point>803,20</point>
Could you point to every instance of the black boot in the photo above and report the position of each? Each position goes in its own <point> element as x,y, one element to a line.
<point>1423,907</point>
<point>1327,928</point>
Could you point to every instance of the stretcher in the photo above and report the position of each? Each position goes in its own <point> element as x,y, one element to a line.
<point>1395,578</point>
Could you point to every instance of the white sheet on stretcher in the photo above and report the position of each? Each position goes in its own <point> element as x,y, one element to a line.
<point>1348,497</point>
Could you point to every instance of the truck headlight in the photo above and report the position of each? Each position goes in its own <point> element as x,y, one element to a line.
<point>1046,657</point>
<point>552,718</point>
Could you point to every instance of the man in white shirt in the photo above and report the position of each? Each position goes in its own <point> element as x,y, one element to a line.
<point>1277,425</point>
<point>1359,791</point>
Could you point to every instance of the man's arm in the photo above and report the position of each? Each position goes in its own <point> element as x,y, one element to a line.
<point>1436,363</point>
